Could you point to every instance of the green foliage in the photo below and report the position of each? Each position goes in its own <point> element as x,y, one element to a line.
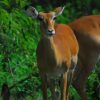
<point>19,36</point>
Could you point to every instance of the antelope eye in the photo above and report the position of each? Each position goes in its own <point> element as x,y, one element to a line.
<point>54,18</point>
<point>40,18</point>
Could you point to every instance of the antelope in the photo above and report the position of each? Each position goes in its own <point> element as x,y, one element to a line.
<point>87,32</point>
<point>57,52</point>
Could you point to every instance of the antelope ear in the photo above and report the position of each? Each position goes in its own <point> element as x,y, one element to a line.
<point>58,11</point>
<point>32,12</point>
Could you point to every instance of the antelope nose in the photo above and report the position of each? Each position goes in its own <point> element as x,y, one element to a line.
<point>50,30</point>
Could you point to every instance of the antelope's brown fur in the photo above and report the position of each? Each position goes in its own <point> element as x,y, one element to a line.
<point>55,51</point>
<point>87,32</point>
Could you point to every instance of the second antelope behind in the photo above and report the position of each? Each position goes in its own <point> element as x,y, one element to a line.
<point>57,52</point>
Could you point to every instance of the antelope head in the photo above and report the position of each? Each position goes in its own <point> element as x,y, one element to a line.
<point>47,20</point>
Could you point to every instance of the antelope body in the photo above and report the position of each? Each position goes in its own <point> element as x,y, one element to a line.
<point>57,52</point>
<point>87,32</point>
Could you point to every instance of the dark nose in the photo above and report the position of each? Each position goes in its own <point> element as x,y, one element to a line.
<point>50,30</point>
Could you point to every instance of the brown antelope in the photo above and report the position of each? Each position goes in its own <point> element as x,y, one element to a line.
<point>87,32</point>
<point>57,51</point>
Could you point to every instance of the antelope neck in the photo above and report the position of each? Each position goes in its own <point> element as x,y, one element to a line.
<point>51,47</point>
<point>49,40</point>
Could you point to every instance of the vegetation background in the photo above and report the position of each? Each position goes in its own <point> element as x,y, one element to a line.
<point>19,36</point>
